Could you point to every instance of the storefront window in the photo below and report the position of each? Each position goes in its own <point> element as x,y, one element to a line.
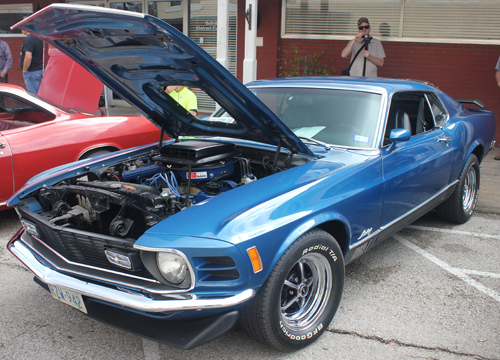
<point>130,6</point>
<point>11,14</point>
<point>168,11</point>
<point>203,30</point>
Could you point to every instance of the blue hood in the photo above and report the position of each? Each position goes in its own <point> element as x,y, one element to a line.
<point>136,55</point>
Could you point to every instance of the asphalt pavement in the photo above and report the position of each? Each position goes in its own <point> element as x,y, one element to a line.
<point>489,190</point>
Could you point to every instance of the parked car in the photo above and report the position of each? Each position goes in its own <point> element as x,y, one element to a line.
<point>248,215</point>
<point>36,135</point>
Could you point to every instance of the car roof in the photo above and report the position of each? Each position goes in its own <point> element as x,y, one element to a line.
<point>352,82</point>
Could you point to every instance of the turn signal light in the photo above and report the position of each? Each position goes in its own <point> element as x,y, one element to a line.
<point>254,256</point>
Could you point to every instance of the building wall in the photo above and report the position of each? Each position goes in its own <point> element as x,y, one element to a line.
<point>461,70</point>
<point>269,22</point>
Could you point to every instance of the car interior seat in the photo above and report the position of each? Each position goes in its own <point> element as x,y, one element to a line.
<point>403,120</point>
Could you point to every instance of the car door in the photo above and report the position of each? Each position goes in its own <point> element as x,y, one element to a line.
<point>6,177</point>
<point>418,170</point>
<point>17,116</point>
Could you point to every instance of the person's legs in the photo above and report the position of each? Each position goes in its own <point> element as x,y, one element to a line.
<point>32,79</point>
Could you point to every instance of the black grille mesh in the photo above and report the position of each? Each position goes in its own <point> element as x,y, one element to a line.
<point>84,248</point>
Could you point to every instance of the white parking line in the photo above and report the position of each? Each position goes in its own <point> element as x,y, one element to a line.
<point>457,272</point>
<point>480,273</point>
<point>457,232</point>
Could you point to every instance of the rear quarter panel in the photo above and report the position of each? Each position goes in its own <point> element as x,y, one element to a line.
<point>471,131</point>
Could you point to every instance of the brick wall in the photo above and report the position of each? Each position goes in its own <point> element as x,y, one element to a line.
<point>269,22</point>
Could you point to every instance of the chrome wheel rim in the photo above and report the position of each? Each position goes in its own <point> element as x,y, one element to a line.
<point>470,190</point>
<point>306,291</point>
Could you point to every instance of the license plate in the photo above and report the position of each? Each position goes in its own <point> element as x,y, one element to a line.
<point>68,297</point>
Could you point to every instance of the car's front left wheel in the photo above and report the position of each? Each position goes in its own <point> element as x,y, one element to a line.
<point>299,299</point>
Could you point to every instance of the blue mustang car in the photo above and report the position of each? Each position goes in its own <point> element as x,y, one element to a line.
<point>248,215</point>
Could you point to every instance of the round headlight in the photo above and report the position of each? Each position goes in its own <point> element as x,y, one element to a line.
<point>172,266</point>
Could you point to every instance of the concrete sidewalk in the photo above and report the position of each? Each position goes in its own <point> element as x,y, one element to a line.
<point>489,191</point>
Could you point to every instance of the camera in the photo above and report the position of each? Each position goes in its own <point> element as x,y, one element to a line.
<point>367,38</point>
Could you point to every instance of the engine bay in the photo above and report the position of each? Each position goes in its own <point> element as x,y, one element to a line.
<point>125,199</point>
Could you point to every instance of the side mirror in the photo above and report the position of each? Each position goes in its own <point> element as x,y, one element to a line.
<point>398,135</point>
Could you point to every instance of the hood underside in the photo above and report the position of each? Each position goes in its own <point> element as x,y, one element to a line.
<point>137,55</point>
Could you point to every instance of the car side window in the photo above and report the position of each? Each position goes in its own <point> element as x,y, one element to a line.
<point>15,113</point>
<point>438,110</point>
<point>412,111</point>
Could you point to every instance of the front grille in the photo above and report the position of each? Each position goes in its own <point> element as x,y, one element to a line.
<point>84,247</point>
<point>217,268</point>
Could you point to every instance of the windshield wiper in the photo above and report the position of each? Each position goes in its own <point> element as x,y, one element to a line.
<point>316,142</point>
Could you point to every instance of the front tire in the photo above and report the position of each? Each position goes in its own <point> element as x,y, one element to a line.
<point>299,299</point>
<point>459,207</point>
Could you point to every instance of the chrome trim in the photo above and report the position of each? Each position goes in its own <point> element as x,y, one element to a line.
<point>386,226</point>
<point>69,262</point>
<point>186,260</point>
<point>134,301</point>
<point>3,204</point>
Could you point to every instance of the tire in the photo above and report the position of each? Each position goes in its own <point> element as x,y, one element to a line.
<point>94,153</point>
<point>299,299</point>
<point>459,207</point>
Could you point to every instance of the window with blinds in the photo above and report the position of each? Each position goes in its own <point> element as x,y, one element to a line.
<point>420,20</point>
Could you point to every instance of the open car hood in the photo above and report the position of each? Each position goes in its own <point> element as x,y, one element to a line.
<point>136,55</point>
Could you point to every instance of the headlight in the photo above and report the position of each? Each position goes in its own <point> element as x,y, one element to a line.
<point>172,266</point>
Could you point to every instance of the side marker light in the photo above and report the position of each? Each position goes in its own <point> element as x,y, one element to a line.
<point>254,256</point>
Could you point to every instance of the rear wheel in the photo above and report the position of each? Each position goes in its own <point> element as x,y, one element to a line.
<point>458,208</point>
<point>299,299</point>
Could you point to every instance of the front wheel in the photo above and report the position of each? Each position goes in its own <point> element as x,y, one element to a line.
<point>458,208</point>
<point>299,299</point>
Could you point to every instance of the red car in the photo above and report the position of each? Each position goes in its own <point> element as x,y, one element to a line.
<point>36,135</point>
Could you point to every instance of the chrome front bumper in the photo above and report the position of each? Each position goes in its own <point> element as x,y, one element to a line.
<point>114,296</point>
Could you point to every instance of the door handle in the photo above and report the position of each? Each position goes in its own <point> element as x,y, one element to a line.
<point>445,139</point>
<point>2,145</point>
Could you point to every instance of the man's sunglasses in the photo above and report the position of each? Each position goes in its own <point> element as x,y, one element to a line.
<point>364,27</point>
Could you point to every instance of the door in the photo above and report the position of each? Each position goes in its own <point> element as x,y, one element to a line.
<point>417,170</point>
<point>6,177</point>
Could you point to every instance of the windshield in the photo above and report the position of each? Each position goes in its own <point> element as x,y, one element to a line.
<point>337,117</point>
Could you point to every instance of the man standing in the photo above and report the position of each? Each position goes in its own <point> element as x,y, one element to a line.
<point>373,56</point>
<point>5,61</point>
<point>32,62</point>
<point>185,97</point>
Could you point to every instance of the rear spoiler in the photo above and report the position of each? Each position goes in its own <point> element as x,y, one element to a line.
<point>471,101</point>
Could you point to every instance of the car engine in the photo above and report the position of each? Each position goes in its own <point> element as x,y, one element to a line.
<point>127,198</point>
